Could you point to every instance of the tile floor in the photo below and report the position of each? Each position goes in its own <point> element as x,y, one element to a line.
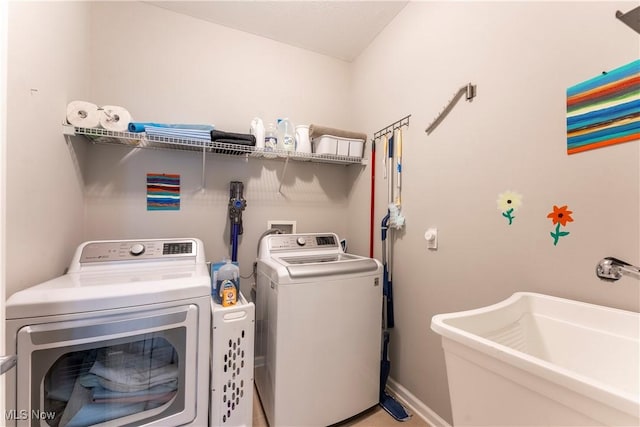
<point>374,417</point>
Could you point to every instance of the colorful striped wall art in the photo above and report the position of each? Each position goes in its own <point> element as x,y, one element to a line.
<point>163,192</point>
<point>604,110</point>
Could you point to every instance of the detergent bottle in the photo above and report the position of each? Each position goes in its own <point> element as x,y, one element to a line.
<point>270,140</point>
<point>227,284</point>
<point>286,136</point>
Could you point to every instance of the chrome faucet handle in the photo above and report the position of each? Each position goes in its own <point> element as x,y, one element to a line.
<point>612,269</point>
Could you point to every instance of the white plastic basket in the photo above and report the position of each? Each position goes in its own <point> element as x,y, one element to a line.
<point>232,364</point>
<point>335,145</point>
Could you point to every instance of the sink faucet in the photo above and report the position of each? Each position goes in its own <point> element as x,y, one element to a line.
<point>612,269</point>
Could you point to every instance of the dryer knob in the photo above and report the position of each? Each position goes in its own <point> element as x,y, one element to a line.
<point>137,249</point>
<point>301,241</point>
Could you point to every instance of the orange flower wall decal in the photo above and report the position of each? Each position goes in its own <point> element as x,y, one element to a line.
<point>560,217</point>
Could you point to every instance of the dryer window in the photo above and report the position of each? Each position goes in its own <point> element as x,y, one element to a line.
<point>96,385</point>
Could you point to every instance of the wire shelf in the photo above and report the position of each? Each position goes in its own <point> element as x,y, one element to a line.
<point>142,140</point>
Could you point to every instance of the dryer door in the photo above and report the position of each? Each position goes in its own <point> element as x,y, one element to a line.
<point>121,370</point>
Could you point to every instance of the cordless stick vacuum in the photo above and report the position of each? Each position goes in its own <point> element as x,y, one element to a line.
<point>237,203</point>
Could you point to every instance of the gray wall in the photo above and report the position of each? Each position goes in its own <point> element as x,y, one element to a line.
<point>522,56</point>
<point>162,67</point>
<point>48,65</point>
<point>172,68</point>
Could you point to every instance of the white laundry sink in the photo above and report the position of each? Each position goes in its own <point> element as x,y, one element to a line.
<point>535,359</point>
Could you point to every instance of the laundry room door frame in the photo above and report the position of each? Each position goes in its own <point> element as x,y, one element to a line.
<point>4,23</point>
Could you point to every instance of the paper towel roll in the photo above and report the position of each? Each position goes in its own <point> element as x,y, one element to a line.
<point>114,118</point>
<point>83,114</point>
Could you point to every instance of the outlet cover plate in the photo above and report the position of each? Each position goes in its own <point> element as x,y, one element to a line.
<point>286,226</point>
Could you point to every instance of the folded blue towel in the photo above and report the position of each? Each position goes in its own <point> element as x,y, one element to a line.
<point>100,392</point>
<point>203,135</point>
<point>95,383</point>
<point>139,126</point>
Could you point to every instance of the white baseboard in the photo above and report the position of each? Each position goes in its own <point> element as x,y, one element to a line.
<point>416,406</point>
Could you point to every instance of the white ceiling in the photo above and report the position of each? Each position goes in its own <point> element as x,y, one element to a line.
<point>341,29</point>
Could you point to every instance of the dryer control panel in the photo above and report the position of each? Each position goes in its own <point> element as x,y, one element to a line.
<point>130,250</point>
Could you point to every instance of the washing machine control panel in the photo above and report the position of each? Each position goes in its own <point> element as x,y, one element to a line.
<point>108,251</point>
<point>302,241</point>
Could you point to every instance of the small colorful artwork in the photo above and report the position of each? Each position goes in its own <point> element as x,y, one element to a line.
<point>604,110</point>
<point>508,202</point>
<point>163,192</point>
<point>560,217</point>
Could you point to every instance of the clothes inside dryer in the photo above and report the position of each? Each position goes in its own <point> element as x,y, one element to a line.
<point>97,385</point>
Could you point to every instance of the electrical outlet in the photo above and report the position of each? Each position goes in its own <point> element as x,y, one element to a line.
<point>286,227</point>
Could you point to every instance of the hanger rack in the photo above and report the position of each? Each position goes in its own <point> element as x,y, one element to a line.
<point>376,136</point>
<point>469,90</point>
<point>393,126</point>
<point>631,18</point>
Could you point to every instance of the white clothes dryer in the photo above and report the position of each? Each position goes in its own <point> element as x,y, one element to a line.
<point>122,339</point>
<point>318,331</point>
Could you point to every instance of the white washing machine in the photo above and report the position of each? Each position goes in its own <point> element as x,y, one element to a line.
<point>122,339</point>
<point>318,314</point>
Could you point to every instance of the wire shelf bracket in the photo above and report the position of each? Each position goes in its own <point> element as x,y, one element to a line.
<point>469,90</point>
<point>141,140</point>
